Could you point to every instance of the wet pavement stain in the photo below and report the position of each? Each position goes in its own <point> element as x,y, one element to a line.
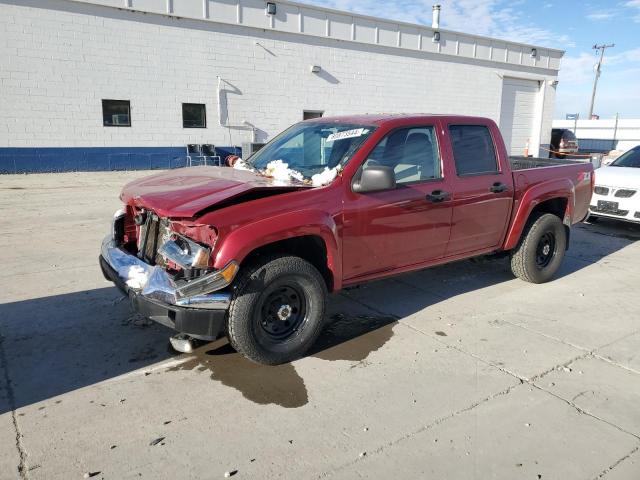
<point>262,384</point>
<point>343,338</point>
<point>353,338</point>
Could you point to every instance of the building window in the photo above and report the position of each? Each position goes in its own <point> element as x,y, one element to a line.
<point>473,150</point>
<point>309,114</point>
<point>116,113</point>
<point>194,115</point>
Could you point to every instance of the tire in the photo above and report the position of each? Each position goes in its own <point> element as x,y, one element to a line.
<point>541,250</point>
<point>277,310</point>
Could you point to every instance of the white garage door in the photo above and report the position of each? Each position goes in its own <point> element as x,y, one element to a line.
<point>517,113</point>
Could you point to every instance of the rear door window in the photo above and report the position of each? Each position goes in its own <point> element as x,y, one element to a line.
<point>473,150</point>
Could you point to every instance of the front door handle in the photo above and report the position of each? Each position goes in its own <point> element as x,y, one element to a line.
<point>437,196</point>
<point>498,187</point>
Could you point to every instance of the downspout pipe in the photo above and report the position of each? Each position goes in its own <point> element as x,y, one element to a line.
<point>244,126</point>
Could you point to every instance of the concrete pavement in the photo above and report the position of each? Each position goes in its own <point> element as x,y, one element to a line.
<point>460,371</point>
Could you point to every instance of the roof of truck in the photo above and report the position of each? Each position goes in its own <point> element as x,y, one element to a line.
<point>382,118</point>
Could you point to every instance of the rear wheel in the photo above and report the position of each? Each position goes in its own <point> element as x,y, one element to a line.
<point>541,250</point>
<point>277,310</point>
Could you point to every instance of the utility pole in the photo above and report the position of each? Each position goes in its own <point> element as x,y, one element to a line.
<point>601,48</point>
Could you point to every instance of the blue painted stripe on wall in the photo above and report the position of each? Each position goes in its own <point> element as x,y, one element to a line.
<point>93,159</point>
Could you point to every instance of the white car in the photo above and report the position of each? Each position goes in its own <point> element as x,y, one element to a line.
<point>617,189</point>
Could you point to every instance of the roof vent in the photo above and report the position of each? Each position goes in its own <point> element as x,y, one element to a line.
<point>435,24</point>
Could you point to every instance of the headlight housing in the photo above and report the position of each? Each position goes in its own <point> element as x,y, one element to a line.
<point>184,252</point>
<point>211,282</point>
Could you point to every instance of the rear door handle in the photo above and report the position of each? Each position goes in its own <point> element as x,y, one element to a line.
<point>437,196</point>
<point>498,187</point>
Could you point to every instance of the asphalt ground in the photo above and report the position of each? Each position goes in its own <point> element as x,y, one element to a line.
<point>459,372</point>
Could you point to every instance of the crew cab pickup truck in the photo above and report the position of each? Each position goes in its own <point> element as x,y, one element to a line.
<point>252,251</point>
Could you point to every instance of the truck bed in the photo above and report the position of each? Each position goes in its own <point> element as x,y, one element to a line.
<point>529,172</point>
<point>524,163</point>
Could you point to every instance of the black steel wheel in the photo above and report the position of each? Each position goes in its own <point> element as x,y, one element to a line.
<point>277,310</point>
<point>283,311</point>
<point>545,250</point>
<point>541,250</point>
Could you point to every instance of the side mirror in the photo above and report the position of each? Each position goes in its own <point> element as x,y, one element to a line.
<point>375,179</point>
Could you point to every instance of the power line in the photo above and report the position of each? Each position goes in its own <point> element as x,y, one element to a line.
<point>601,49</point>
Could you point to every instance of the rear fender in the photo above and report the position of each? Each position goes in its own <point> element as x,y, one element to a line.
<point>534,196</point>
<point>241,242</point>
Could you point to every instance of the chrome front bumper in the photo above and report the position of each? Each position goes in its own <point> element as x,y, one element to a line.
<point>153,283</point>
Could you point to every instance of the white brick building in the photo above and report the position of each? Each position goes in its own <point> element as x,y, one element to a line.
<point>60,59</point>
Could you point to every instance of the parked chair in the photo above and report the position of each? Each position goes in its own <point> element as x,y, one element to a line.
<point>195,152</point>
<point>209,151</point>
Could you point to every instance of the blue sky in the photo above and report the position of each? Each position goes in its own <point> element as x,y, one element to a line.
<point>570,25</point>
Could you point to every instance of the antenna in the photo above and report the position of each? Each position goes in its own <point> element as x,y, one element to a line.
<point>601,49</point>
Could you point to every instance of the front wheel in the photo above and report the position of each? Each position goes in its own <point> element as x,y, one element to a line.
<point>541,250</point>
<point>277,310</point>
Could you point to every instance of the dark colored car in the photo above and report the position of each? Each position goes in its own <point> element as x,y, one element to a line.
<point>563,143</point>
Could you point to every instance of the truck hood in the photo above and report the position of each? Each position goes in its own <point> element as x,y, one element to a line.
<point>618,177</point>
<point>183,193</point>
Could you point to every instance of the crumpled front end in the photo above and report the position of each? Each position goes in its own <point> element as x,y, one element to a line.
<point>167,275</point>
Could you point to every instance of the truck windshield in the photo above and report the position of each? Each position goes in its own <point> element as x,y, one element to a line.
<point>629,159</point>
<point>312,147</point>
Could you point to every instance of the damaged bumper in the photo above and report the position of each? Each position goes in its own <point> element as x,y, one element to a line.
<point>154,294</point>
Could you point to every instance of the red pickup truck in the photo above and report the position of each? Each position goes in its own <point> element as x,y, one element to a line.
<point>252,251</point>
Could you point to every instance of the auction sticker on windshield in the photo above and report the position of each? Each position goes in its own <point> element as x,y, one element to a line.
<point>356,132</point>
